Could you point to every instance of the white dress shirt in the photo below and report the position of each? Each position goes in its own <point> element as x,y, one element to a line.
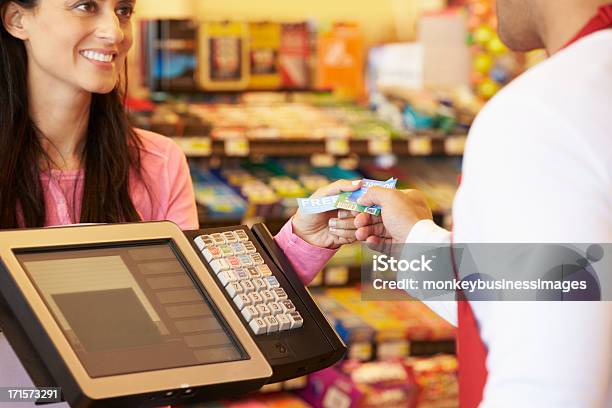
<point>538,168</point>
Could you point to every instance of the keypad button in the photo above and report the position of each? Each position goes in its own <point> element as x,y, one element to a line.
<point>255,298</point>
<point>231,274</point>
<point>275,308</point>
<point>259,284</point>
<point>241,274</point>
<point>287,306</point>
<point>233,262</point>
<point>230,237</point>
<point>247,285</point>
<point>283,322</point>
<point>238,248</point>
<point>211,252</point>
<point>279,294</point>
<point>258,325</point>
<point>250,248</point>
<point>263,310</point>
<point>272,282</point>
<point>253,272</point>
<point>249,313</point>
<point>203,241</point>
<point>223,278</point>
<point>243,300</point>
<point>245,260</point>
<point>272,324</point>
<point>241,235</point>
<point>256,259</point>
<point>267,296</point>
<point>219,265</point>
<point>226,250</point>
<point>264,270</point>
<point>296,320</point>
<point>218,239</point>
<point>234,289</point>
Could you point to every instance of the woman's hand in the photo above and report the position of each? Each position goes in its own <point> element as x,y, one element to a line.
<point>329,229</point>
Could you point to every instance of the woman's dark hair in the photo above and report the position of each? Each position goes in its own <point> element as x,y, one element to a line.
<point>112,148</point>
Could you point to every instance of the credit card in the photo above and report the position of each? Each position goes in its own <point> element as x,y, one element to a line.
<point>317,205</point>
<point>348,201</point>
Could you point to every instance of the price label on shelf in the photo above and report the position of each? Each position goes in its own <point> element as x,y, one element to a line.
<point>420,146</point>
<point>454,145</point>
<point>194,146</point>
<point>336,275</point>
<point>322,160</point>
<point>338,146</point>
<point>393,349</point>
<point>360,351</point>
<point>237,146</point>
<point>379,146</point>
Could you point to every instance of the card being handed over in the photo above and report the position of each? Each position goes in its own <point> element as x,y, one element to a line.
<point>348,201</point>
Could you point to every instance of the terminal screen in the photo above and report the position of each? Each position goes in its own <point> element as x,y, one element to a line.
<point>130,308</point>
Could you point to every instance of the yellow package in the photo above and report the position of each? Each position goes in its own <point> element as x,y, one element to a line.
<point>223,56</point>
<point>264,48</point>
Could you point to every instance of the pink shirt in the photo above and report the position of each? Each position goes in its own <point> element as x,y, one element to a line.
<point>169,197</point>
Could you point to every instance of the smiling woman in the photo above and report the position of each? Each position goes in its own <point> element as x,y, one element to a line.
<point>65,119</point>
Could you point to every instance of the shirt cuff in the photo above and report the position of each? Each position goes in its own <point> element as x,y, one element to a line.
<point>427,232</point>
<point>307,260</point>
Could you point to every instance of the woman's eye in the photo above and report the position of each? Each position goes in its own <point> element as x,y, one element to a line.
<point>125,11</point>
<point>87,7</point>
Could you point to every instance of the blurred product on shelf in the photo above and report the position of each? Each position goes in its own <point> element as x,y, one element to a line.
<point>341,60</point>
<point>493,65</point>
<point>264,54</point>
<point>363,385</point>
<point>437,380</point>
<point>223,55</point>
<point>219,200</point>
<point>294,56</point>
<point>169,54</point>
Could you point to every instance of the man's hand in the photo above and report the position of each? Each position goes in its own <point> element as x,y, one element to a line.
<point>400,210</point>
<point>329,229</point>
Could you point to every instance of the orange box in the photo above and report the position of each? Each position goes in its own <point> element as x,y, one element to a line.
<point>341,60</point>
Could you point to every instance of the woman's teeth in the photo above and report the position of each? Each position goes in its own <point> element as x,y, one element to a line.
<point>96,56</point>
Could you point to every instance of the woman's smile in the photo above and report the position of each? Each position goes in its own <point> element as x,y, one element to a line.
<point>100,58</point>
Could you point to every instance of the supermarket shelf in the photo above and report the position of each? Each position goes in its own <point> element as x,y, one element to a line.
<point>421,145</point>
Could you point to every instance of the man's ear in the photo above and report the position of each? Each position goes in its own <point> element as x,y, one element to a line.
<point>12,18</point>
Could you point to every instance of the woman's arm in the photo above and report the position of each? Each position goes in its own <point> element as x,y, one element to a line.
<point>306,259</point>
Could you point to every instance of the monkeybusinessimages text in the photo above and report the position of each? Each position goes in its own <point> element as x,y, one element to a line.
<point>385,264</point>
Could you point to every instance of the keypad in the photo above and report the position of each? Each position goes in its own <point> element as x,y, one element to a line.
<point>254,289</point>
